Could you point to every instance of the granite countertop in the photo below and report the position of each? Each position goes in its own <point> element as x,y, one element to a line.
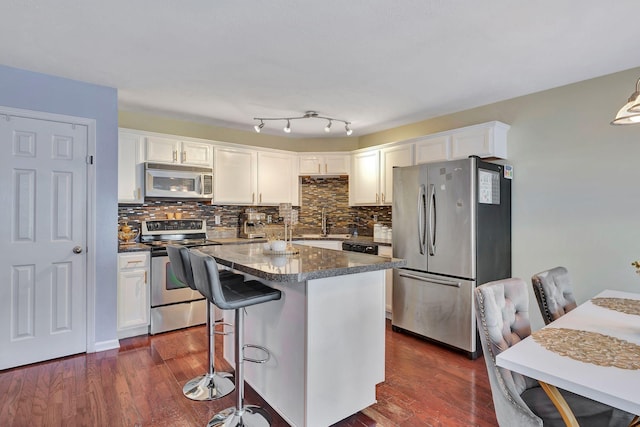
<point>310,263</point>
<point>137,247</point>
<point>358,239</point>
<point>133,247</point>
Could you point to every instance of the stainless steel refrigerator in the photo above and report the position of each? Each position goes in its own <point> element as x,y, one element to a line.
<point>452,223</point>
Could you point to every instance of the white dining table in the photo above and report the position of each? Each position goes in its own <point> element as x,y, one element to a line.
<point>616,387</point>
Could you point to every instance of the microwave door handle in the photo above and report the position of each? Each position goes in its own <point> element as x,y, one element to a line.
<point>201,188</point>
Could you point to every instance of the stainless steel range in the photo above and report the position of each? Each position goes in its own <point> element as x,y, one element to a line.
<point>173,304</point>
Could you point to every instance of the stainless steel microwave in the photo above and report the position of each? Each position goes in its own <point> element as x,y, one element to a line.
<point>177,182</point>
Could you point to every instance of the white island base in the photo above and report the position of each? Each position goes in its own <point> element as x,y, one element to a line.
<point>327,342</point>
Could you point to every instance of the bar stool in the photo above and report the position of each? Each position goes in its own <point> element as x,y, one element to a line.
<point>234,297</point>
<point>212,385</point>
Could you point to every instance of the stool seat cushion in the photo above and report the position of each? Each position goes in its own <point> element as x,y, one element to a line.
<point>245,294</point>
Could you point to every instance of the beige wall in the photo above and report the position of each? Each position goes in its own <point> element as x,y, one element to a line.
<point>576,189</point>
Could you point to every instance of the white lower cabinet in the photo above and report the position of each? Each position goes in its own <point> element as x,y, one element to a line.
<point>133,294</point>
<point>386,251</point>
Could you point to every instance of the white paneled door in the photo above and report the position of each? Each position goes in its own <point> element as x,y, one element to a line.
<point>43,171</point>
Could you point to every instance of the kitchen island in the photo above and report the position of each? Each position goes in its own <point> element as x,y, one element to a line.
<point>326,335</point>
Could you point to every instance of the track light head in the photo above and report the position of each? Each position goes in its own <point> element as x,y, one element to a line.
<point>259,127</point>
<point>287,128</point>
<point>348,129</point>
<point>327,128</point>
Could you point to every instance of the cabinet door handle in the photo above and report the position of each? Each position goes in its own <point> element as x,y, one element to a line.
<point>175,156</point>
<point>377,198</point>
<point>253,197</point>
<point>145,277</point>
<point>138,192</point>
<point>325,168</point>
<point>260,198</point>
<point>318,167</point>
<point>382,197</point>
<point>184,157</point>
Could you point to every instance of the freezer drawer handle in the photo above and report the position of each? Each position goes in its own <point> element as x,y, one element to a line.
<point>429,280</point>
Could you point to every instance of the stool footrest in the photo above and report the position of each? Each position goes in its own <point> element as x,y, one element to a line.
<point>223,332</point>
<point>259,347</point>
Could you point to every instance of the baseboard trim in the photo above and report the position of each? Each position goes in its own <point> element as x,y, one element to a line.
<point>106,345</point>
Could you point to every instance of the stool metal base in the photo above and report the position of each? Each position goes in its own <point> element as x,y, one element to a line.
<point>250,416</point>
<point>209,387</point>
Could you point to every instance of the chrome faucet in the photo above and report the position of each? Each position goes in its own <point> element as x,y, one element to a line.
<point>324,222</point>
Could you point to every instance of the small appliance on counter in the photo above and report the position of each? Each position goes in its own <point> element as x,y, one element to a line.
<point>252,224</point>
<point>127,235</point>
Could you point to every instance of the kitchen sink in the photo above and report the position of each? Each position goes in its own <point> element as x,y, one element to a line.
<point>328,236</point>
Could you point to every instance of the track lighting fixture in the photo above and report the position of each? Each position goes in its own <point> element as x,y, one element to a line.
<point>307,115</point>
<point>629,114</point>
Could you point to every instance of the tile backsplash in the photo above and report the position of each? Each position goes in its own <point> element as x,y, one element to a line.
<point>332,194</point>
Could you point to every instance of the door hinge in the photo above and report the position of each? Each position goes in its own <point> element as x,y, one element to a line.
<point>89,160</point>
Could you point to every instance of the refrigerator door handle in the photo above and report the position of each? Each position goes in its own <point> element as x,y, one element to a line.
<point>431,280</point>
<point>422,208</point>
<point>432,220</point>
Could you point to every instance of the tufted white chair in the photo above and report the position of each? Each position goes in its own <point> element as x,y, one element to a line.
<point>554,293</point>
<point>503,320</point>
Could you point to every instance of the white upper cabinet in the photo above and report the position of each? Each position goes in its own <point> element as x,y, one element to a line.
<point>196,153</point>
<point>390,157</point>
<point>130,167</point>
<point>433,149</point>
<point>234,175</point>
<point>371,180</point>
<point>277,180</point>
<point>364,181</point>
<point>488,140</point>
<point>250,177</point>
<point>324,163</point>
<point>169,150</point>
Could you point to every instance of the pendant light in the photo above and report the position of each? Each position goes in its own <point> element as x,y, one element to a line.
<point>629,114</point>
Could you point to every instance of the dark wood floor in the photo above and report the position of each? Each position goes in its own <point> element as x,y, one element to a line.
<point>141,385</point>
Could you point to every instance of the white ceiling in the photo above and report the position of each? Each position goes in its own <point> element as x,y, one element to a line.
<point>376,63</point>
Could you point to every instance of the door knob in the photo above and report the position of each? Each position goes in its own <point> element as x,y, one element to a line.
<point>77,250</point>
